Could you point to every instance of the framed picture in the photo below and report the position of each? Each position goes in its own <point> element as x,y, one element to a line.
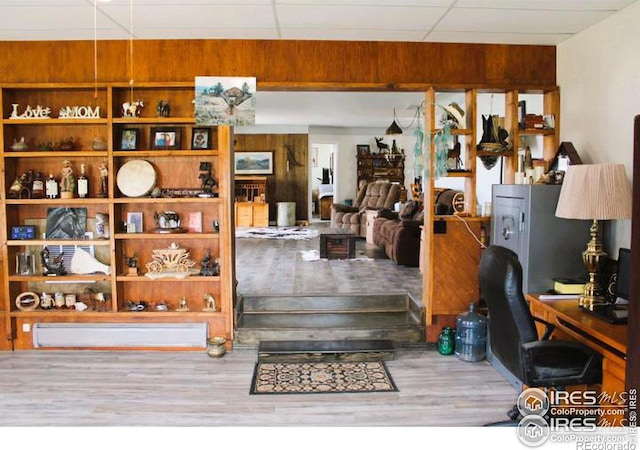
<point>129,139</point>
<point>134,222</point>
<point>66,223</point>
<point>201,139</point>
<point>253,163</point>
<point>166,138</point>
<point>363,149</point>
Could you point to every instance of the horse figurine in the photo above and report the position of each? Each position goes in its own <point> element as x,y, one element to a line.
<point>382,147</point>
<point>132,109</point>
<point>163,108</point>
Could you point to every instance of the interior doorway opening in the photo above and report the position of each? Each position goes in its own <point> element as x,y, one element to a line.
<point>322,179</point>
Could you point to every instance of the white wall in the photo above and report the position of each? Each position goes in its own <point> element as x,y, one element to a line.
<point>345,176</point>
<point>598,72</point>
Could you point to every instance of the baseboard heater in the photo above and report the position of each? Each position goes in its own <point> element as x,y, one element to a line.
<point>96,335</point>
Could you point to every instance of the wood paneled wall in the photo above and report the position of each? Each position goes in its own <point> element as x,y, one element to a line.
<point>301,64</point>
<point>289,181</point>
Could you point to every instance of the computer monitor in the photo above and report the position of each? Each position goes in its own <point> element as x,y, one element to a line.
<point>623,275</point>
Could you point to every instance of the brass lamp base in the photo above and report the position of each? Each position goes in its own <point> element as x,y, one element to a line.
<point>593,258</point>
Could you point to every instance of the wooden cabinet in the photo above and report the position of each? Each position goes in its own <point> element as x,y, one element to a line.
<point>451,248</point>
<point>117,295</point>
<point>251,206</point>
<point>389,167</point>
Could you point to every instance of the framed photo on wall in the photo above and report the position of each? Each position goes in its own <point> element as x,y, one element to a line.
<point>253,163</point>
<point>165,138</point>
<point>201,139</point>
<point>129,139</point>
<point>363,149</point>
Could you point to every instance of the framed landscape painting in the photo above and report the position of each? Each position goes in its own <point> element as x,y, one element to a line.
<point>253,163</point>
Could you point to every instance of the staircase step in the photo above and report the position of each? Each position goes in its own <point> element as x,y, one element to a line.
<point>314,351</point>
<point>332,320</point>
<point>334,303</point>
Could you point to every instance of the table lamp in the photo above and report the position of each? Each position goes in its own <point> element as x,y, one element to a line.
<point>594,192</point>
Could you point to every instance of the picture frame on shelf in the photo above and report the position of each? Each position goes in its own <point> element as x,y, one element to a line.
<point>253,163</point>
<point>201,139</point>
<point>66,223</point>
<point>165,138</point>
<point>129,139</point>
<point>363,149</point>
<point>134,222</point>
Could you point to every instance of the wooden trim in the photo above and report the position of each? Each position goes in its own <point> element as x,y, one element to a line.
<point>633,337</point>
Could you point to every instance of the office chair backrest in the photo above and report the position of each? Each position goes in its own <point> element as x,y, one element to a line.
<point>510,321</point>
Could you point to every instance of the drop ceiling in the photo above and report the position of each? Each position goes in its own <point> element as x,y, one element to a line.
<point>521,22</point>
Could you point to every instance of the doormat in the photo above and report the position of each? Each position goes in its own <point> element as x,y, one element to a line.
<point>321,378</point>
<point>300,233</point>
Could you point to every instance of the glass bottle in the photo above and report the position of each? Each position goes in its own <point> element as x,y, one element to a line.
<point>447,341</point>
<point>37,188</point>
<point>51,187</point>
<point>83,182</point>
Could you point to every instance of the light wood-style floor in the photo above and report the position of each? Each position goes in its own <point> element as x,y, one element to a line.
<point>190,389</point>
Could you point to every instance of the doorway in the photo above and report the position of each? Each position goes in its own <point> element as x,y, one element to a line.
<point>322,179</point>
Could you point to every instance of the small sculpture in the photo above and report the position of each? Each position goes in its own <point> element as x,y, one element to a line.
<point>163,108</point>
<point>208,266</point>
<point>132,264</point>
<point>68,181</point>
<point>19,146</point>
<point>132,109</point>
<point>104,173</point>
<point>209,302</point>
<point>52,266</point>
<point>20,187</point>
<point>98,143</point>
<point>67,144</point>
<point>382,147</point>
<point>208,182</point>
<point>182,305</point>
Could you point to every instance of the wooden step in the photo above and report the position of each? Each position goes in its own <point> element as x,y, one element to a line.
<point>312,303</point>
<point>334,350</point>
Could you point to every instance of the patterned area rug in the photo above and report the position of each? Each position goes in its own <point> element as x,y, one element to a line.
<point>277,233</point>
<point>321,377</point>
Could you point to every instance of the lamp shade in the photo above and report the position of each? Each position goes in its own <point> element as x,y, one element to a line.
<point>595,192</point>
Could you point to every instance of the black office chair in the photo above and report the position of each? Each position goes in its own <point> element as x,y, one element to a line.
<point>513,335</point>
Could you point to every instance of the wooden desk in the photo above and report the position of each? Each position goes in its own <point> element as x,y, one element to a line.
<point>607,339</point>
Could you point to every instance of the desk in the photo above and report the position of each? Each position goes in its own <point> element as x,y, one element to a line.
<point>607,339</point>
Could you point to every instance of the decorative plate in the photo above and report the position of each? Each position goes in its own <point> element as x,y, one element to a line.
<point>136,178</point>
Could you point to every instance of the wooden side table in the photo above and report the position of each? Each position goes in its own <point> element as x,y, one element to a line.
<point>371,218</point>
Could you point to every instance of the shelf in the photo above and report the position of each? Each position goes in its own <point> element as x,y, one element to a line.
<point>122,313</point>
<point>58,201</point>
<point>61,278</point>
<point>189,279</point>
<point>43,242</point>
<point>159,200</point>
<point>154,120</point>
<point>186,235</point>
<point>536,132</point>
<point>152,153</point>
<point>55,154</point>
<point>53,121</point>
<point>465,174</point>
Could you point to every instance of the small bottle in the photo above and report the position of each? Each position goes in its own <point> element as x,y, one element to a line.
<point>394,148</point>
<point>37,188</point>
<point>83,182</point>
<point>51,187</point>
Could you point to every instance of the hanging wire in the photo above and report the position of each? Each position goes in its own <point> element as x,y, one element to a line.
<point>131,48</point>
<point>95,49</point>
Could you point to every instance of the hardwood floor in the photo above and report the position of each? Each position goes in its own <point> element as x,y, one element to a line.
<point>190,389</point>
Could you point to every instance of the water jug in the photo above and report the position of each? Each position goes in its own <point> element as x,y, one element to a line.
<point>471,335</point>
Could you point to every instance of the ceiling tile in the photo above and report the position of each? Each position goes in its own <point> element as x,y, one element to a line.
<point>519,21</point>
<point>352,17</point>
<point>575,5</point>
<point>329,34</point>
<point>473,37</point>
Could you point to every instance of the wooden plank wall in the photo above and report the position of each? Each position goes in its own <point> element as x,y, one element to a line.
<point>301,64</point>
<point>288,182</point>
